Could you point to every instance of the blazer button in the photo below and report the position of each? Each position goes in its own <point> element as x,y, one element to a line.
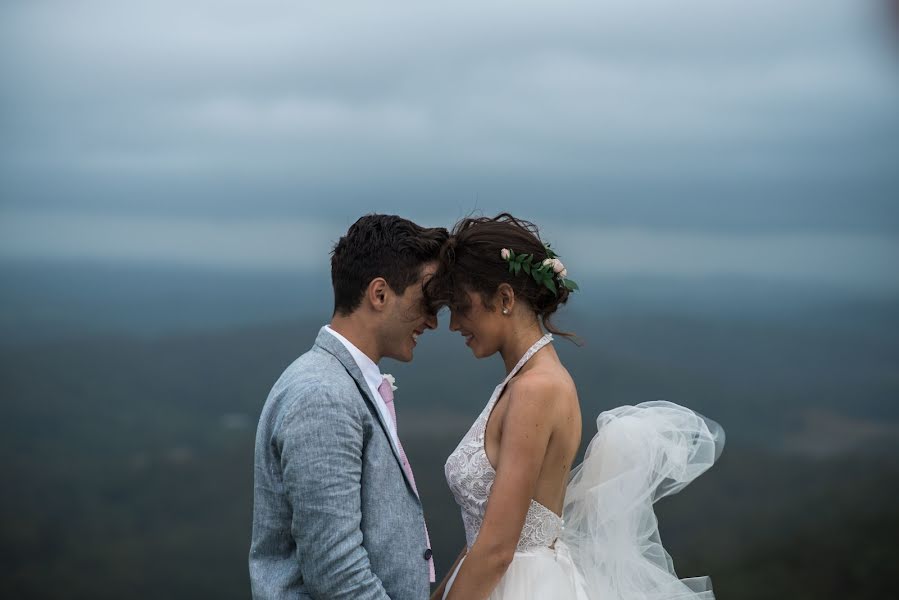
<point>428,554</point>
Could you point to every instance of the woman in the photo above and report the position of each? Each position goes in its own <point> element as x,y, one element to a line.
<point>511,474</point>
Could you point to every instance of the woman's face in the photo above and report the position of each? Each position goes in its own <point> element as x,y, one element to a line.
<point>483,328</point>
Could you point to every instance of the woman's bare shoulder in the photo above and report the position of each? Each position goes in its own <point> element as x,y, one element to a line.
<point>542,387</point>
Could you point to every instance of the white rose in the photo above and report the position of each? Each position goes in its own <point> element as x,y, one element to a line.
<point>391,380</point>
<point>564,273</point>
<point>558,267</point>
<point>548,262</point>
<point>505,253</point>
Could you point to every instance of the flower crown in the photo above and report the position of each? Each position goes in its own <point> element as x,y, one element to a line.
<point>548,272</point>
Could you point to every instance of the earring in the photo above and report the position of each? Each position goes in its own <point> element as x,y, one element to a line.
<point>505,311</point>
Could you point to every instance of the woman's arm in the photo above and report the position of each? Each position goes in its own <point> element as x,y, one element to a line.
<point>438,593</point>
<point>526,430</point>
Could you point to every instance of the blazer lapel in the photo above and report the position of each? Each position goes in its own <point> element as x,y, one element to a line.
<point>332,345</point>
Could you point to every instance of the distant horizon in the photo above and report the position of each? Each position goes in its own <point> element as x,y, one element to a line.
<point>862,260</point>
<point>46,300</point>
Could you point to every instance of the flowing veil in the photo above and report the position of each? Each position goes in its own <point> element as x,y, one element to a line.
<point>639,454</point>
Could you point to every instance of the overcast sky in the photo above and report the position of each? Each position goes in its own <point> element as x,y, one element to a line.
<point>760,135</point>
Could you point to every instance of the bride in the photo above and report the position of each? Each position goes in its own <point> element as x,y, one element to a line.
<point>536,528</point>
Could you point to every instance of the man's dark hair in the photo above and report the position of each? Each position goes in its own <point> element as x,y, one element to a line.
<point>385,246</point>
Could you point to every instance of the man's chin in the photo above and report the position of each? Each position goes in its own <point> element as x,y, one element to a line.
<point>402,355</point>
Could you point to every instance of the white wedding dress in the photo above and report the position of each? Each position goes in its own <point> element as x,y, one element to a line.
<point>607,546</point>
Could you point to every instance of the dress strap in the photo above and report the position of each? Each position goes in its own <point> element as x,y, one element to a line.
<point>527,356</point>
<point>485,414</point>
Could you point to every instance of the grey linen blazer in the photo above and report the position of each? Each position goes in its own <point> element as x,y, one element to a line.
<point>334,515</point>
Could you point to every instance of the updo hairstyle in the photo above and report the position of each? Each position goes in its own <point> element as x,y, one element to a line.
<point>470,260</point>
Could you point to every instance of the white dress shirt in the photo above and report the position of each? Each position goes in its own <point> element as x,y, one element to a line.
<point>373,378</point>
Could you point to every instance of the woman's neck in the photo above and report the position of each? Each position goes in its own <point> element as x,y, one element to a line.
<point>518,342</point>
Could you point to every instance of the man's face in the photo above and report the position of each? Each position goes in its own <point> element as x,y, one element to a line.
<point>408,318</point>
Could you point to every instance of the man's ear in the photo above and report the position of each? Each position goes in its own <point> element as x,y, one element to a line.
<point>377,292</point>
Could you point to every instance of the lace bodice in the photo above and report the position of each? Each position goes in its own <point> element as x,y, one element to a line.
<point>470,477</point>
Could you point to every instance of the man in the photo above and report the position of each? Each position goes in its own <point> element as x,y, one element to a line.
<point>336,513</point>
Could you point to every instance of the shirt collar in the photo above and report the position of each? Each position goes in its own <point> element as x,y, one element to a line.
<point>369,368</point>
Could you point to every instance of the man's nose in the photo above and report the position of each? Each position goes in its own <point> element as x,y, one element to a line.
<point>431,321</point>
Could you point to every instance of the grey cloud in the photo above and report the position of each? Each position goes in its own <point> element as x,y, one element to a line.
<point>647,112</point>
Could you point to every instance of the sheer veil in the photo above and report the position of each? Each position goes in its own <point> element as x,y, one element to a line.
<point>639,454</point>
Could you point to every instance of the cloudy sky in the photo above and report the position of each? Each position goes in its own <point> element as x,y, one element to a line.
<point>689,137</point>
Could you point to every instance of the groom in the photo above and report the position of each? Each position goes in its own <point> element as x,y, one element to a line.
<point>336,512</point>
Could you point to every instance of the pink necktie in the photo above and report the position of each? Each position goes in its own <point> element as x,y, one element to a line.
<point>386,392</point>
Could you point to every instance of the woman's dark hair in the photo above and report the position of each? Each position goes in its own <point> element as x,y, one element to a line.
<point>470,260</point>
<point>385,246</point>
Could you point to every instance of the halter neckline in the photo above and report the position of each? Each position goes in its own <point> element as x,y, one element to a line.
<point>480,426</point>
<point>547,338</point>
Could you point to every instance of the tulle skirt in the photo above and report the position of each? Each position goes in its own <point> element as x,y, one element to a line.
<point>538,573</point>
<point>610,547</point>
